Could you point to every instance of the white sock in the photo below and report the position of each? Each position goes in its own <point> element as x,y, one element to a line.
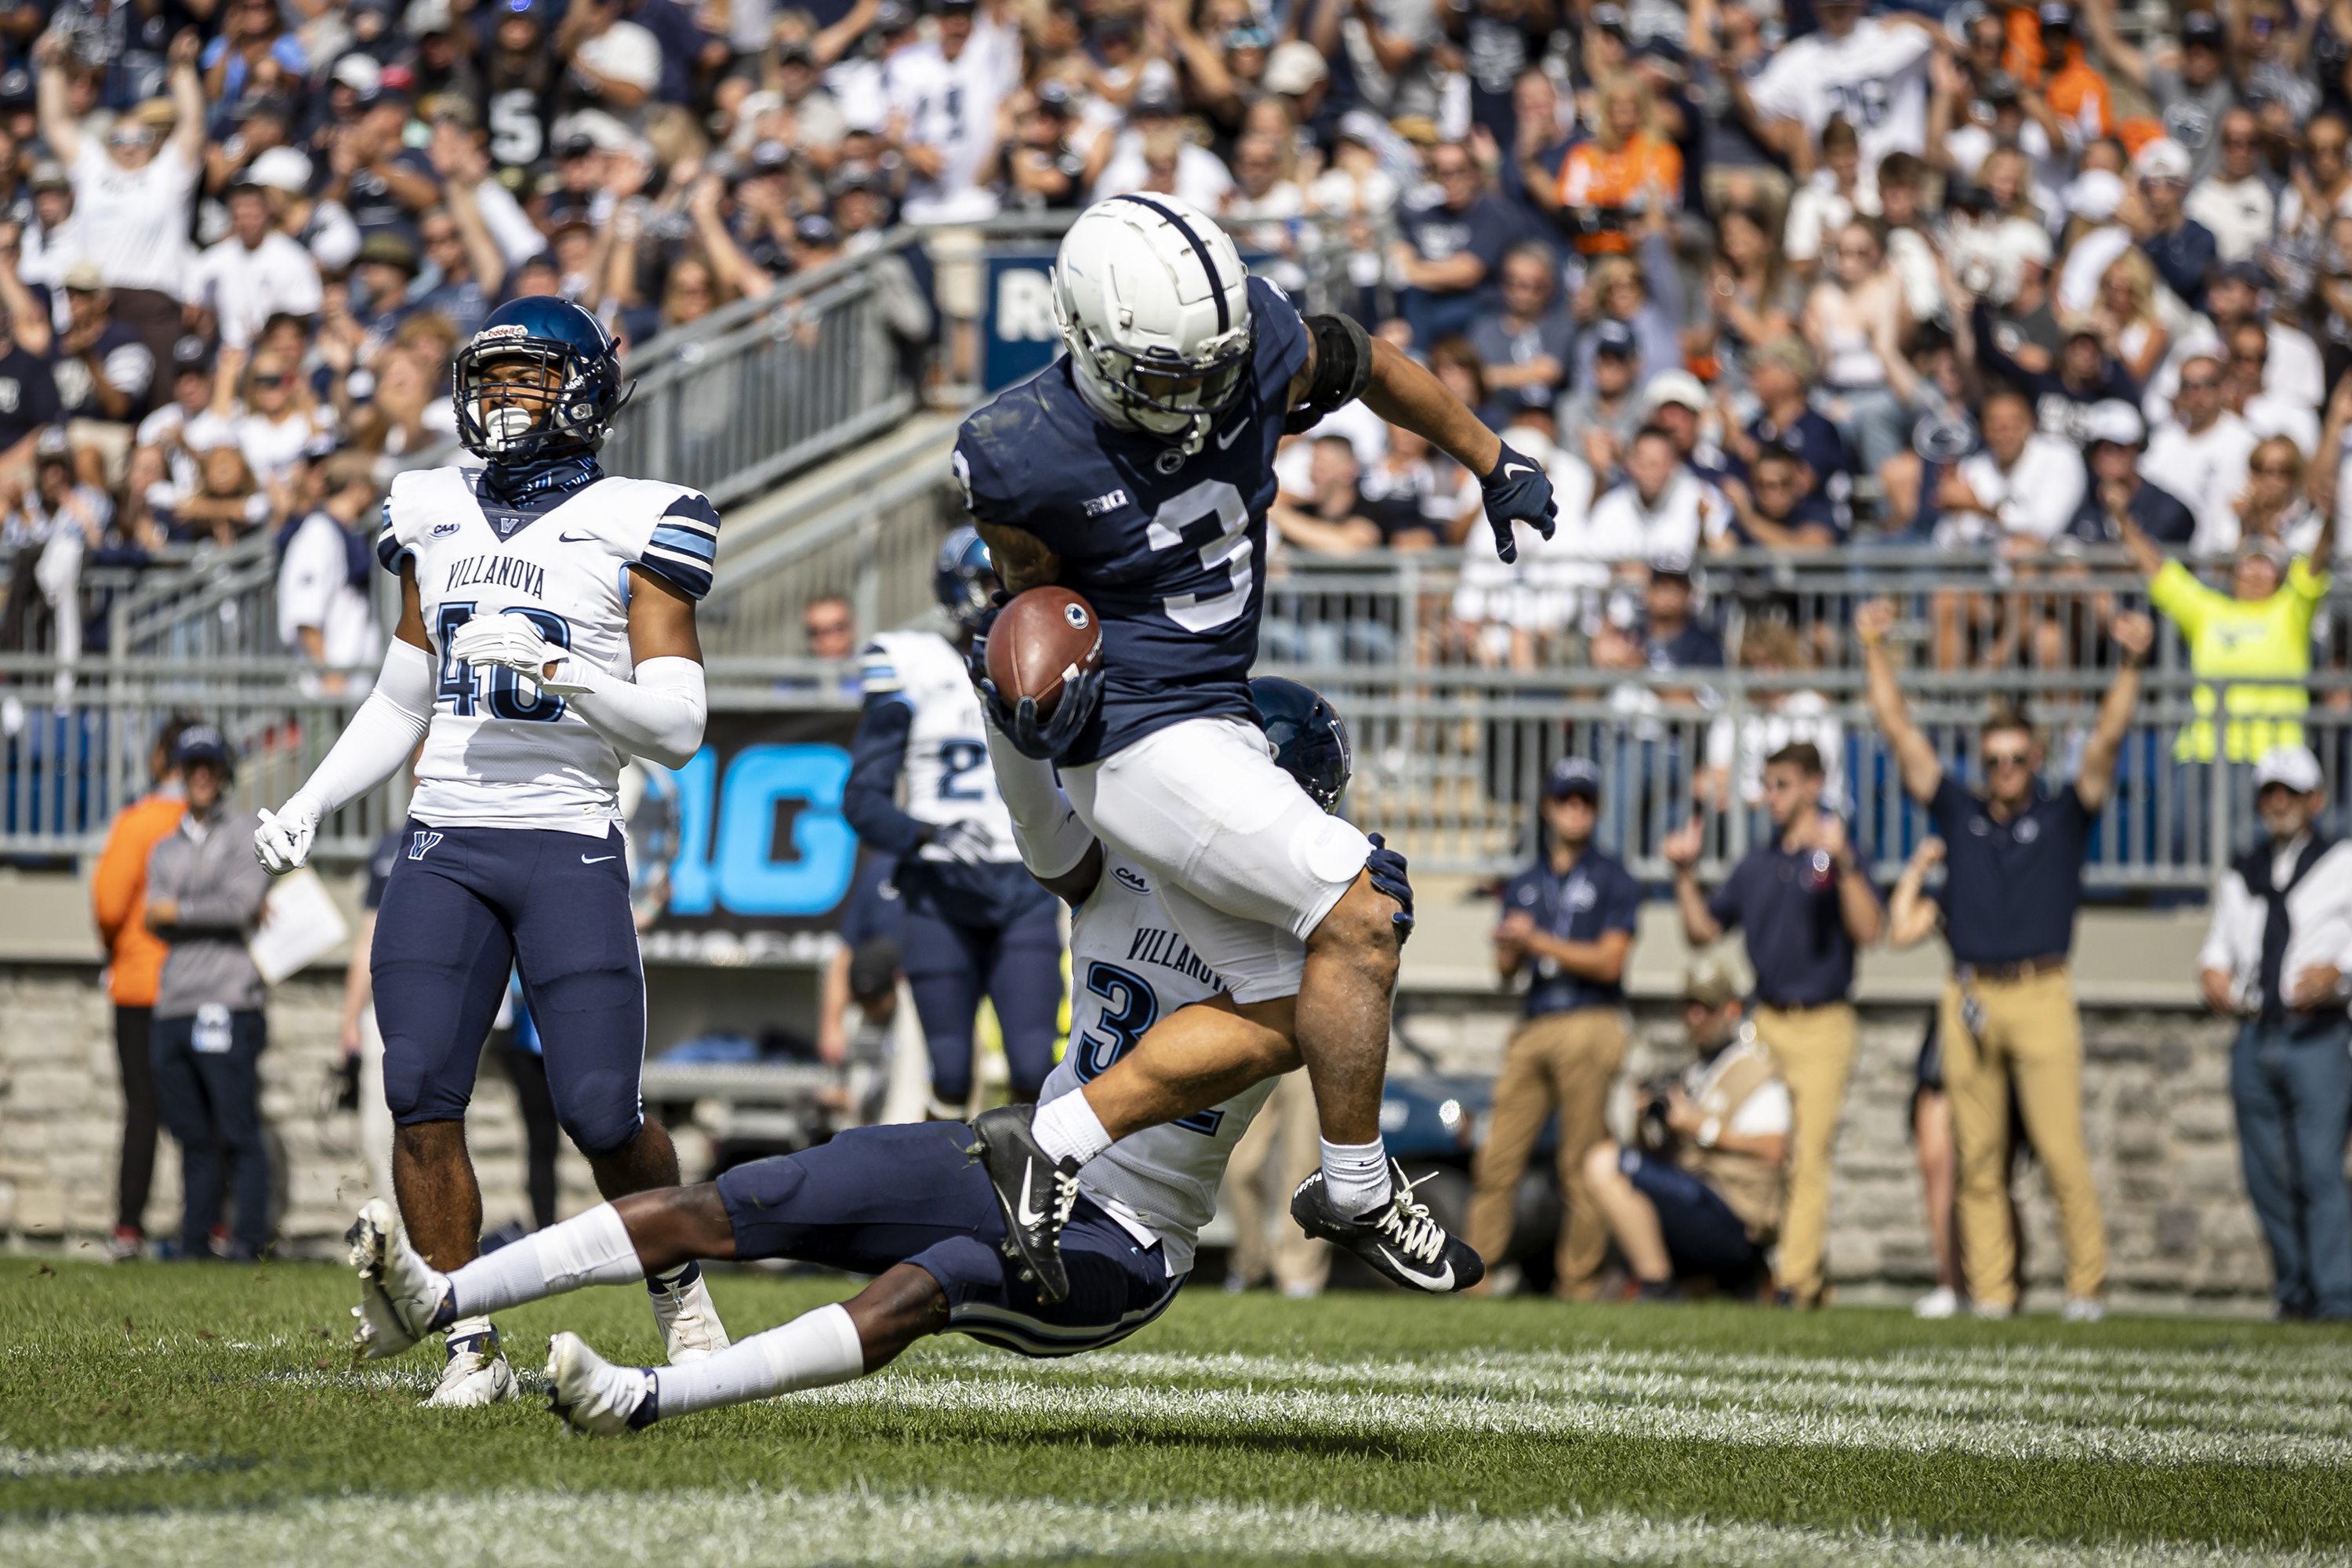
<point>1356,1177</point>
<point>592,1249</point>
<point>465,1329</point>
<point>811,1351</point>
<point>1070,1128</point>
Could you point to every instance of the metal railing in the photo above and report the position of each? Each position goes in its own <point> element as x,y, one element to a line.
<point>1450,766</point>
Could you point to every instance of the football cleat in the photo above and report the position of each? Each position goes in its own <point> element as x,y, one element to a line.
<point>590,1393</point>
<point>476,1373</point>
<point>1401,1239</point>
<point>688,1318</point>
<point>1035,1190</point>
<point>401,1297</point>
<point>1941,1303</point>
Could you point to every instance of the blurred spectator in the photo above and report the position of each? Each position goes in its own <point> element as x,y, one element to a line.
<point>1626,174</point>
<point>2183,249</point>
<point>104,369</point>
<point>2117,493</point>
<point>1831,199</point>
<point>1704,1196</point>
<point>1641,293</point>
<point>1779,714</point>
<point>1880,61</point>
<point>1667,637</point>
<point>1332,523</point>
<point>134,965</point>
<point>256,273</point>
<point>1662,508</point>
<point>47,527</point>
<point>1524,345</point>
<point>1568,922</point>
<point>1447,261</point>
<point>204,893</point>
<point>2234,200</point>
<point>2200,455</point>
<point>326,613</point>
<point>1854,321</point>
<point>1774,507</point>
<point>1606,409</point>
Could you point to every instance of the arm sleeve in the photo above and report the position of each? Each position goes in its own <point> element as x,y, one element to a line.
<point>1051,838</point>
<point>657,714</point>
<point>870,798</point>
<point>381,733</point>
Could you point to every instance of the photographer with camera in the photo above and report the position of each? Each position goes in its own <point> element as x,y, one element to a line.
<point>1704,1192</point>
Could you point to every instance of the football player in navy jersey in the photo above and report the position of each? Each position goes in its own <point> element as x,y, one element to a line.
<point>547,634</point>
<point>920,788</point>
<point>1136,471</point>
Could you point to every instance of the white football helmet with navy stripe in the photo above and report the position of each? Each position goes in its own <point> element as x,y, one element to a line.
<point>1153,301</point>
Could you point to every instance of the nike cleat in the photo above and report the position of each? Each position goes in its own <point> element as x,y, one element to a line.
<point>688,1318</point>
<point>591,1395</point>
<point>1035,1190</point>
<point>477,1372</point>
<point>1401,1239</point>
<point>401,1297</point>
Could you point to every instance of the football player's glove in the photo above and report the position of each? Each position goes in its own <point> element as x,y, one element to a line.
<point>1517,490</point>
<point>282,842</point>
<point>965,843</point>
<point>512,642</point>
<point>1387,868</point>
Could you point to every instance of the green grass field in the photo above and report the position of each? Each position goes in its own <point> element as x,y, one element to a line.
<point>208,1415</point>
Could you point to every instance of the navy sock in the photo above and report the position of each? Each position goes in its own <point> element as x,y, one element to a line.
<point>678,1278</point>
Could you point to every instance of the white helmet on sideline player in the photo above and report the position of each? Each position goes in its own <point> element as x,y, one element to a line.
<point>1153,301</point>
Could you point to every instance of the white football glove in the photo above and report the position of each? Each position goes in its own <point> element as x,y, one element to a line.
<point>282,842</point>
<point>513,643</point>
<point>965,843</point>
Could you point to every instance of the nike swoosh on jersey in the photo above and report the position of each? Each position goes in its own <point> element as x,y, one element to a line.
<point>1023,1214</point>
<point>575,539</point>
<point>1427,1281</point>
<point>1227,438</point>
<point>596,860</point>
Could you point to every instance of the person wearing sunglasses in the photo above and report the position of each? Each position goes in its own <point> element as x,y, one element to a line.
<point>2013,879</point>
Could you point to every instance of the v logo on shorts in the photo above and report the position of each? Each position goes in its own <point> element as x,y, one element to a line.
<point>420,842</point>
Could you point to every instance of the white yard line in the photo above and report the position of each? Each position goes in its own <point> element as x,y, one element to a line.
<point>781,1529</point>
<point>75,1464</point>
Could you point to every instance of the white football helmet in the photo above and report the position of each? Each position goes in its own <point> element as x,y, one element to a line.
<point>1153,301</point>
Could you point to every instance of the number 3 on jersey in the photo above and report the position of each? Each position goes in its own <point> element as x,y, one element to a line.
<point>460,685</point>
<point>1129,1007</point>
<point>1229,549</point>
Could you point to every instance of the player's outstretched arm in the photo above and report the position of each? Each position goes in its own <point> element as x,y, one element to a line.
<point>1515,488</point>
<point>378,740</point>
<point>657,713</point>
<point>1059,850</point>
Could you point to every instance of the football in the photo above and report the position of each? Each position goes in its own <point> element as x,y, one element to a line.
<point>1041,640</point>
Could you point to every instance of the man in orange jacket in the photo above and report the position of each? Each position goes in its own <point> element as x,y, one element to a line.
<point>134,965</point>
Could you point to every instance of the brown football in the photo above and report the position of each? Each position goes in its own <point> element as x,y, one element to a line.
<point>1042,638</point>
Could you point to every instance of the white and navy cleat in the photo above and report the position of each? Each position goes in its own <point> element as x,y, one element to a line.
<point>688,1318</point>
<point>401,1297</point>
<point>591,1395</point>
<point>477,1372</point>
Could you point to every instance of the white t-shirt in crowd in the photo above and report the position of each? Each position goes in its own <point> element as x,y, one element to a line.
<point>272,446</point>
<point>1690,514</point>
<point>1201,177</point>
<point>950,104</point>
<point>135,222</point>
<point>243,287</point>
<point>315,589</point>
<point>626,53</point>
<point>1819,210</point>
<point>2036,498</point>
<point>2243,214</point>
<point>1875,77</point>
<point>2207,471</point>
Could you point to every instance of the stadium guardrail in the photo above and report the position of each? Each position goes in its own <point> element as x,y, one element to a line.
<point>1449,765</point>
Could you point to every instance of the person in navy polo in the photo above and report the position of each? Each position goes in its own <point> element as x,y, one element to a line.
<point>2013,880</point>
<point>1805,902</point>
<point>1568,926</point>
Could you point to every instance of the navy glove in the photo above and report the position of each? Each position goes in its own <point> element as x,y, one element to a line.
<point>975,652</point>
<point>1045,740</point>
<point>1517,490</point>
<point>1387,868</point>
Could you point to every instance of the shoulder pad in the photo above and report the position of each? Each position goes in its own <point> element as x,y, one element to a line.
<point>882,668</point>
<point>408,504</point>
<point>681,542</point>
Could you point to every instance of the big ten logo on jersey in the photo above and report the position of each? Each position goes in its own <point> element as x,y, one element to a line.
<point>1127,1009</point>
<point>762,841</point>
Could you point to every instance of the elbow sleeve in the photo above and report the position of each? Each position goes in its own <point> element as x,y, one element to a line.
<point>382,731</point>
<point>658,715</point>
<point>1045,829</point>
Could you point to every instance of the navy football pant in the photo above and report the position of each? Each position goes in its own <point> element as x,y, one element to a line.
<point>463,906</point>
<point>877,1196</point>
<point>951,966</point>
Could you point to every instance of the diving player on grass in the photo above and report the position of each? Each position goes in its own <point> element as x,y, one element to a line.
<point>1136,471</point>
<point>909,1205</point>
<point>546,633</point>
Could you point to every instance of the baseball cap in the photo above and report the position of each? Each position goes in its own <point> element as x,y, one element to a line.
<point>1614,337</point>
<point>388,250</point>
<point>1573,776</point>
<point>2114,423</point>
<point>2249,273</point>
<point>1054,98</point>
<point>1678,387</point>
<point>1295,68</point>
<point>359,72</point>
<point>192,353</point>
<point>770,156</point>
<point>1609,19</point>
<point>48,175</point>
<point>2201,27</point>
<point>1708,981</point>
<point>815,229</point>
<point>202,743</point>
<point>281,169</point>
<point>84,278</point>
<point>2055,14</point>
<point>16,86</point>
<point>894,17</point>
<point>1156,101</point>
<point>53,446</point>
<point>2001,88</point>
<point>2162,159</point>
<point>1677,566</point>
<point>2292,766</point>
<point>2094,194</point>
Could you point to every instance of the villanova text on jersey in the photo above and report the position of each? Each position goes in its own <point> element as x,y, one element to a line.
<point>1168,548</point>
<point>497,572</point>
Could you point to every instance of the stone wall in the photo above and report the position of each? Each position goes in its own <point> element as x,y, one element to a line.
<point>2158,1118</point>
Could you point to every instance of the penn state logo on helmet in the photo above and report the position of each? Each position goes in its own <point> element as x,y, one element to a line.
<point>1153,302</point>
<point>541,377</point>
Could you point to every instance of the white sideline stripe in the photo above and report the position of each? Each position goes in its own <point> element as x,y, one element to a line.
<point>74,1464</point>
<point>1429,1414</point>
<point>781,1530</point>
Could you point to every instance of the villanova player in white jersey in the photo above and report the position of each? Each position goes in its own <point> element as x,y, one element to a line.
<point>921,790</point>
<point>908,1204</point>
<point>546,634</point>
<point>1137,471</point>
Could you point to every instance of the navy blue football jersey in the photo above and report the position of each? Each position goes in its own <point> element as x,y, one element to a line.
<point>1170,550</point>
